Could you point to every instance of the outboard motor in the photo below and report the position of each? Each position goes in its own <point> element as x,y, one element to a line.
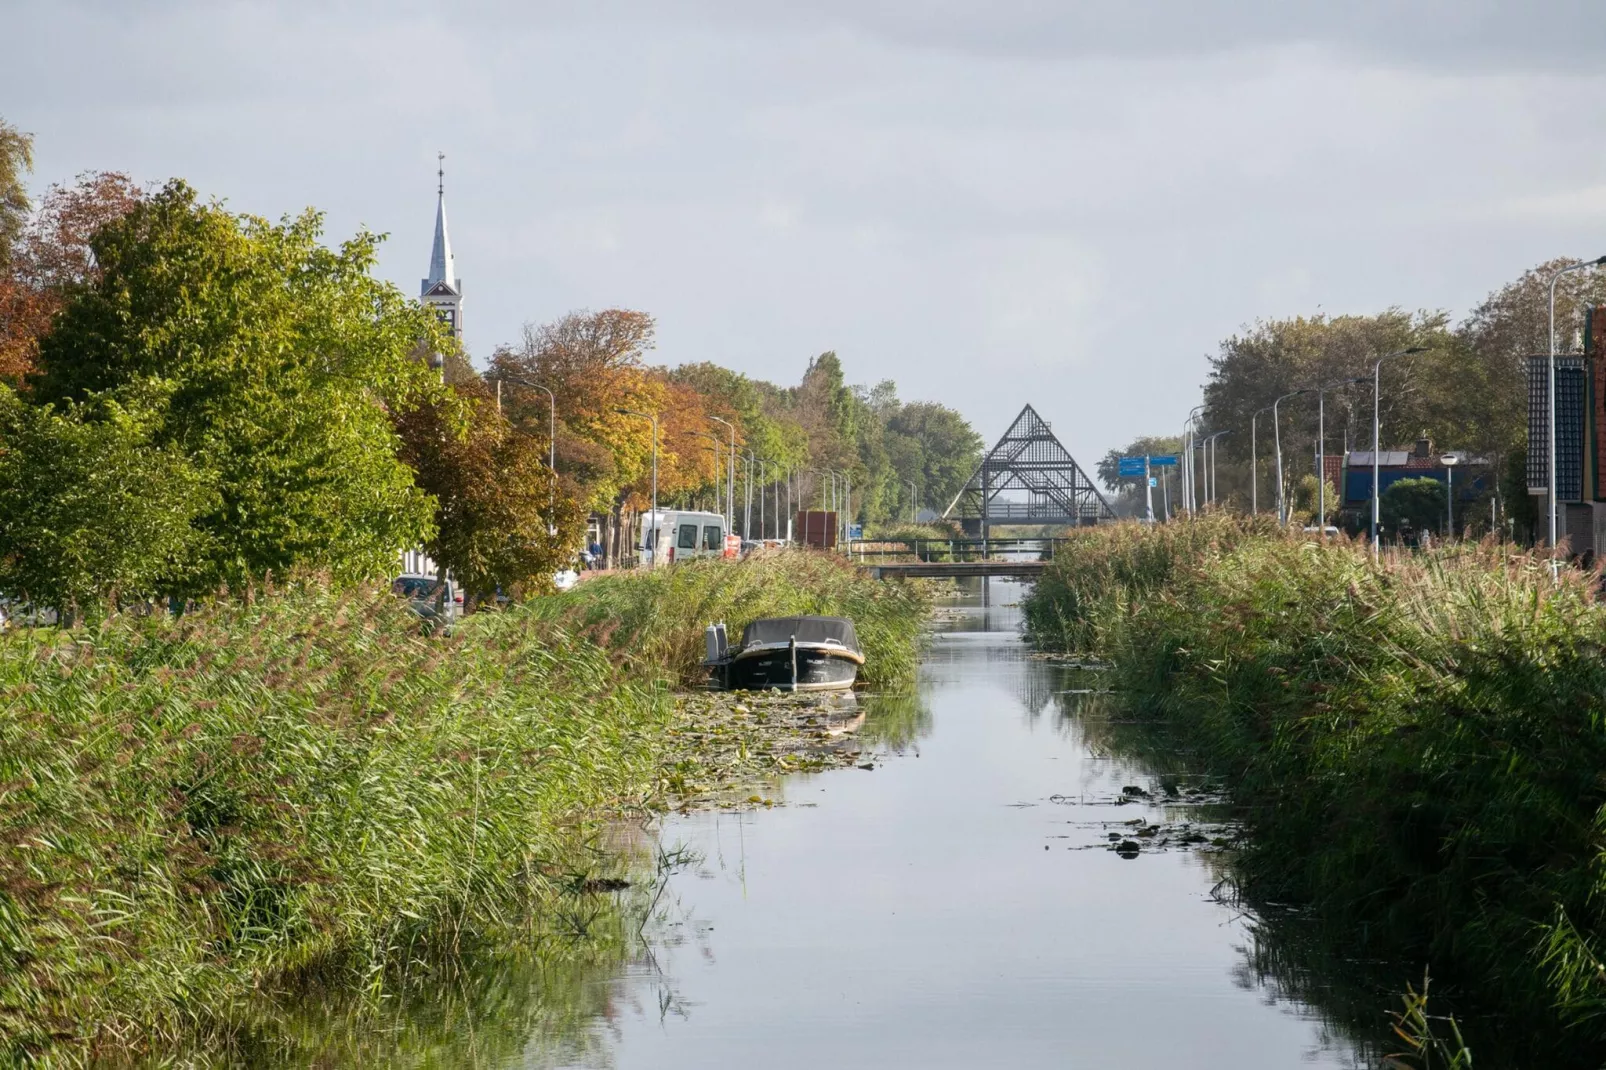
<point>714,639</point>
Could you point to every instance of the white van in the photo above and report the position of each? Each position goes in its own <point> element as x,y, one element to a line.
<point>683,536</point>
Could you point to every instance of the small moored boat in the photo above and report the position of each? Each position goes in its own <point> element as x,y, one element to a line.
<point>790,653</point>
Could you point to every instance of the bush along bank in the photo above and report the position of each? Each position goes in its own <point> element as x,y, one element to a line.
<point>302,788</point>
<point>1416,745</point>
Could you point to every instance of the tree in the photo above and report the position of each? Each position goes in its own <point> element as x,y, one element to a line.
<point>1418,502</point>
<point>934,447</point>
<point>282,361</point>
<point>16,160</point>
<point>592,363</point>
<point>53,258</point>
<point>93,511</point>
<point>502,520</point>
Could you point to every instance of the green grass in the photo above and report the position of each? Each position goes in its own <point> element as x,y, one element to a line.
<point>303,790</point>
<point>1417,745</point>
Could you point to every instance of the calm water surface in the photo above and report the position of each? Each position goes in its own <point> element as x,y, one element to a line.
<point>911,915</point>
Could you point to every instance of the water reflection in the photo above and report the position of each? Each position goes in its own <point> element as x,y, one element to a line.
<point>957,905</point>
<point>954,905</point>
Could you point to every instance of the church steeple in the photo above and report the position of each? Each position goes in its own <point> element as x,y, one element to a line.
<point>442,290</point>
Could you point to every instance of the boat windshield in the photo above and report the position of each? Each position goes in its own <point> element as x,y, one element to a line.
<point>807,630</point>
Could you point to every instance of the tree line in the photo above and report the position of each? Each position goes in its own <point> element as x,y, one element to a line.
<point>1467,391</point>
<point>195,400</point>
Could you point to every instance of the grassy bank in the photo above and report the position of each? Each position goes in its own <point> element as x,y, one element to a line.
<point>302,789</point>
<point>1417,746</point>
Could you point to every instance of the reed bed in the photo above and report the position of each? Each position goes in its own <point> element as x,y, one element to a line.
<point>656,617</point>
<point>301,789</point>
<point>1417,744</point>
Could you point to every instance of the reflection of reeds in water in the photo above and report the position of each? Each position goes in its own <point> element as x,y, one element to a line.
<point>894,720</point>
<point>545,1001</point>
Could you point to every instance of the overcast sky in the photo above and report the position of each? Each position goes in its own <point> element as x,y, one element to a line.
<point>990,201</point>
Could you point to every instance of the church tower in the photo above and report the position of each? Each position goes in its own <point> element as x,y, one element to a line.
<point>443,290</point>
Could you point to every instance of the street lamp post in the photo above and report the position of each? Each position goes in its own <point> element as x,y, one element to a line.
<point>1187,459</point>
<point>654,514</point>
<point>1277,436</point>
<point>762,468</point>
<point>730,489</point>
<point>1449,460</point>
<point>551,442</point>
<point>1321,453</point>
<point>1377,498</point>
<point>747,497</point>
<point>1550,380</point>
<point>1212,488</point>
<point>914,507</point>
<point>1254,464</point>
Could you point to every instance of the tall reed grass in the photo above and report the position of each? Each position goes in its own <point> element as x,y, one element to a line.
<point>1418,744</point>
<point>656,617</point>
<point>303,788</point>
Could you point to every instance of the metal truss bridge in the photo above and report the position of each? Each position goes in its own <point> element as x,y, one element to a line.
<point>1029,460</point>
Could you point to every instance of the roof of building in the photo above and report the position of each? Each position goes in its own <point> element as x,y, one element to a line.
<point>1408,459</point>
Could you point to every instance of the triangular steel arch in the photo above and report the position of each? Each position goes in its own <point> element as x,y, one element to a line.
<point>1029,458</point>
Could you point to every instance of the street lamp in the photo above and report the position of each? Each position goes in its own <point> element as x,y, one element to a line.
<point>747,497</point>
<point>1377,498</point>
<point>1551,401</point>
<point>1321,453</point>
<point>1449,460</point>
<point>1277,436</point>
<point>551,443</point>
<point>1254,468</point>
<point>1212,489</point>
<point>1187,487</point>
<point>914,508</point>
<point>718,450</point>
<point>730,490</point>
<point>654,515</point>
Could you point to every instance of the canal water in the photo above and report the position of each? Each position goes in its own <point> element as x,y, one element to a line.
<point>955,906</point>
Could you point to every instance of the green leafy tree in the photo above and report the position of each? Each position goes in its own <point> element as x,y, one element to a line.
<point>94,512</point>
<point>1418,502</point>
<point>16,160</point>
<point>284,359</point>
<point>933,447</point>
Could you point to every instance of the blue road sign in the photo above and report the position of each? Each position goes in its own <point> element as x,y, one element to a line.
<point>1153,482</point>
<point>1168,461</point>
<point>1132,466</point>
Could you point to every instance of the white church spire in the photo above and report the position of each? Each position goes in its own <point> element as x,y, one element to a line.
<point>443,290</point>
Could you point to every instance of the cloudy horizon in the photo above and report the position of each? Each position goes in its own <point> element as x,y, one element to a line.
<point>991,204</point>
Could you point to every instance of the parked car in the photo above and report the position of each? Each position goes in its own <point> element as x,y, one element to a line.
<point>431,598</point>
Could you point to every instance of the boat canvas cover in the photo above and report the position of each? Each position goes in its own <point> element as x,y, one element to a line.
<point>807,630</point>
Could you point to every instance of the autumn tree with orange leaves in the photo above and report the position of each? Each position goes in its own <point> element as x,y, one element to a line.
<point>50,259</point>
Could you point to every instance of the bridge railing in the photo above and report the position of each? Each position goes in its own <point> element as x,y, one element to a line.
<point>951,549</point>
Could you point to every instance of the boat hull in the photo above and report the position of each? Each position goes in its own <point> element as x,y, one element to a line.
<point>760,670</point>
